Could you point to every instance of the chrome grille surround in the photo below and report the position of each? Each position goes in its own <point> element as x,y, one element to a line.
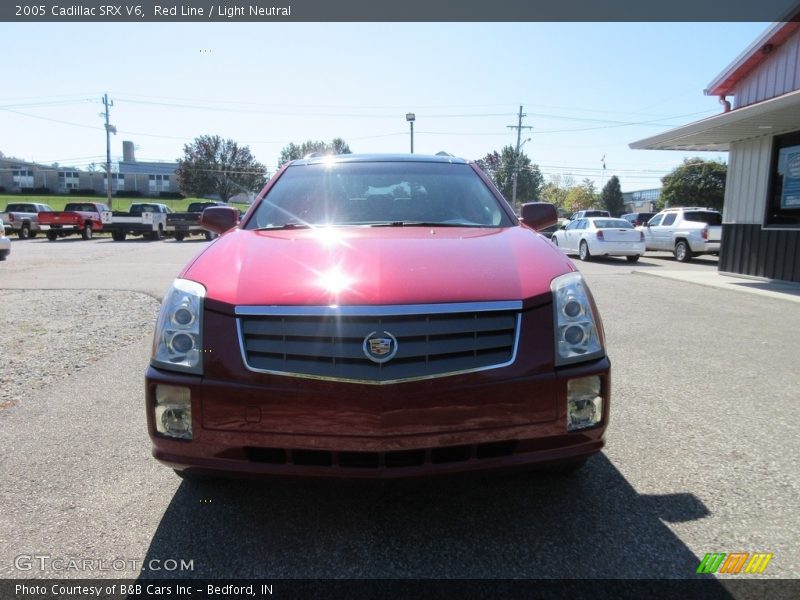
<point>325,342</point>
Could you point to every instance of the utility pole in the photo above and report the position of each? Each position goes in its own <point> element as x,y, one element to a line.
<point>519,127</point>
<point>109,130</point>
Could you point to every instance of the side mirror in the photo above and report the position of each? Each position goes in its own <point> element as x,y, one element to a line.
<point>219,219</point>
<point>538,215</point>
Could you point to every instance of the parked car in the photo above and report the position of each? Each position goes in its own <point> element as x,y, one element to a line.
<point>638,218</point>
<point>684,231</point>
<point>5,243</point>
<point>22,218</point>
<point>377,316</point>
<point>77,217</point>
<point>600,236</point>
<point>584,214</point>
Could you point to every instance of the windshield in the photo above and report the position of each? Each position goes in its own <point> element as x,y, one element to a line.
<point>379,193</point>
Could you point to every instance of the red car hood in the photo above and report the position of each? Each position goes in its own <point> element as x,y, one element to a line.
<point>377,265</point>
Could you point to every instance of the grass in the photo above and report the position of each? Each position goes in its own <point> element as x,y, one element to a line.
<point>57,202</point>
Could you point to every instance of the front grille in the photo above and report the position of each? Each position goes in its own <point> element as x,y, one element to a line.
<point>419,341</point>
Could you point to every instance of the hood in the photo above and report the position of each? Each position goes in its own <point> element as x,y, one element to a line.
<point>377,266</point>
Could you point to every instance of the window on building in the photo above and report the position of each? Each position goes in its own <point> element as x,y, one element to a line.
<point>117,181</point>
<point>159,183</point>
<point>783,203</point>
<point>22,177</point>
<point>68,180</point>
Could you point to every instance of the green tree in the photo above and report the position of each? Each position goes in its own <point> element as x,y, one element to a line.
<point>611,197</point>
<point>555,191</point>
<point>696,182</point>
<point>212,165</point>
<point>293,151</point>
<point>499,167</point>
<point>581,196</point>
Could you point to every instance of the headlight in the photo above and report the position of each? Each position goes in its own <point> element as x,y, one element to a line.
<point>178,341</point>
<point>577,337</point>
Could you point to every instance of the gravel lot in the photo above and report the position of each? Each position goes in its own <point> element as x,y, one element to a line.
<point>55,333</point>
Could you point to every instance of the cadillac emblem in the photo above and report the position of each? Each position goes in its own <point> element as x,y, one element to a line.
<point>380,348</point>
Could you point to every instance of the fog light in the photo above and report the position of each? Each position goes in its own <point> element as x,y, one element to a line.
<point>173,411</point>
<point>584,403</point>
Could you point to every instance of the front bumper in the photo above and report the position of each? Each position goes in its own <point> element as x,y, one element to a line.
<point>378,445</point>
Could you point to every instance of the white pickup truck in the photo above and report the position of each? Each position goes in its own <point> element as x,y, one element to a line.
<point>148,219</point>
<point>685,231</point>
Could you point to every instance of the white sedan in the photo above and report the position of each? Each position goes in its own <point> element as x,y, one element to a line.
<point>600,236</point>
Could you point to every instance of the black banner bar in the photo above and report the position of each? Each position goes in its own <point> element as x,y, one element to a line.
<point>523,589</point>
<point>271,11</point>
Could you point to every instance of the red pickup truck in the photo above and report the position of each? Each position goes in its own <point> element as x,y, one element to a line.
<point>377,317</point>
<point>77,217</point>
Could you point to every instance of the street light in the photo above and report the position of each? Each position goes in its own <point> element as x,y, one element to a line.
<point>410,117</point>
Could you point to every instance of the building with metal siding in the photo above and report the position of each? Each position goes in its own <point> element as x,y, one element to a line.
<point>147,178</point>
<point>761,216</point>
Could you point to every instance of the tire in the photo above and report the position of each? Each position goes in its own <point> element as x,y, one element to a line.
<point>86,232</point>
<point>52,236</point>
<point>632,259</point>
<point>24,232</point>
<point>210,235</point>
<point>179,236</point>
<point>118,236</point>
<point>682,251</point>
<point>33,234</point>
<point>583,252</point>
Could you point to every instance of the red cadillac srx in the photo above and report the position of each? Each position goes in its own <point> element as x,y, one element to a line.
<point>373,317</point>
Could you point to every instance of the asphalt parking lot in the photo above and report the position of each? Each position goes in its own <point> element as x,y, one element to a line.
<point>700,457</point>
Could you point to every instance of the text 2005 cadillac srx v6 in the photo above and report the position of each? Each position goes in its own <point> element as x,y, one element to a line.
<point>375,317</point>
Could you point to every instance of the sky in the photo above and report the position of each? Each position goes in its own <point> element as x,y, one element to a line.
<point>587,89</point>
